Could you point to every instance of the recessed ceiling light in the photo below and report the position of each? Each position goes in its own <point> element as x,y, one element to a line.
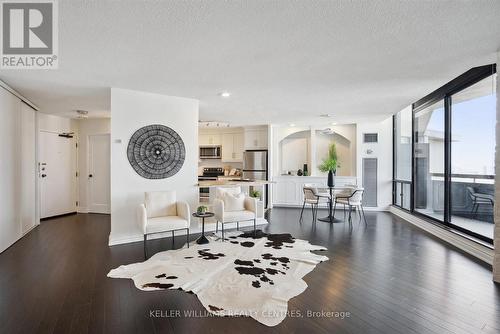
<point>292,124</point>
<point>225,94</point>
<point>325,115</point>
<point>334,123</point>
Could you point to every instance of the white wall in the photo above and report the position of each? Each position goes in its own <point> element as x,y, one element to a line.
<point>345,139</point>
<point>131,110</point>
<point>56,124</point>
<point>87,127</point>
<point>17,166</point>
<point>383,152</point>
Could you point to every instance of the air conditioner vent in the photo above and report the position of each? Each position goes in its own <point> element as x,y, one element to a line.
<point>370,137</point>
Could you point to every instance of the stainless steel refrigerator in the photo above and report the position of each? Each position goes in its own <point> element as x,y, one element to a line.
<point>255,168</point>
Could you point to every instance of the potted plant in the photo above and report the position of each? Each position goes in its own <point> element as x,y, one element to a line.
<point>255,193</point>
<point>201,209</point>
<point>330,164</point>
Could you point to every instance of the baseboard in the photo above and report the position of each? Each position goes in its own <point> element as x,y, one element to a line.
<point>475,249</point>
<point>124,240</point>
<point>82,209</point>
<point>29,230</point>
<point>59,216</point>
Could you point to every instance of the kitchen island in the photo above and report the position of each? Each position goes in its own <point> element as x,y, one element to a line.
<point>245,188</point>
<point>233,183</point>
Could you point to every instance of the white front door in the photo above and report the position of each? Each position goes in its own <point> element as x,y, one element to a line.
<point>57,175</point>
<point>99,173</point>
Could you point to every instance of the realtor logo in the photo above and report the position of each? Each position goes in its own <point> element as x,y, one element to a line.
<point>29,34</point>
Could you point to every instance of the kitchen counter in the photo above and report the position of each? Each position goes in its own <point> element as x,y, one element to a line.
<point>225,183</point>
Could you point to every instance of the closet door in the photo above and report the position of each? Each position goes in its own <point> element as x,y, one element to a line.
<point>10,163</point>
<point>28,169</point>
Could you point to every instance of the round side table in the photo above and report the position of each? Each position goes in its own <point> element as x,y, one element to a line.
<point>202,239</point>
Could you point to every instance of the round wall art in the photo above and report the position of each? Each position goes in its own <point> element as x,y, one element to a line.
<point>156,152</point>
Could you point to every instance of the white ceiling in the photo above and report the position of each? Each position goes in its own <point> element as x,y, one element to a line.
<point>283,61</point>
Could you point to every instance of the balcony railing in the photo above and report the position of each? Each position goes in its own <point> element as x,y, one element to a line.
<point>462,203</point>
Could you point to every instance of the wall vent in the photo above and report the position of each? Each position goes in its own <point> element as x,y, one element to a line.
<point>370,137</point>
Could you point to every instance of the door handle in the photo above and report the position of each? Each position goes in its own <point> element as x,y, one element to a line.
<point>90,175</point>
<point>44,175</point>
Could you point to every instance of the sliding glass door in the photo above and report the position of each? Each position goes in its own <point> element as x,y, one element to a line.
<point>452,177</point>
<point>473,118</point>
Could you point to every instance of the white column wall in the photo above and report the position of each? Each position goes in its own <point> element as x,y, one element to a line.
<point>131,110</point>
<point>383,152</point>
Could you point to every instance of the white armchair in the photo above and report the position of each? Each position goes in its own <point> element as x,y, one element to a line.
<point>232,206</point>
<point>161,212</point>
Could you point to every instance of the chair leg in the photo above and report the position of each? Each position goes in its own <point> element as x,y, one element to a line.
<point>334,208</point>
<point>222,231</point>
<point>237,226</point>
<point>312,211</point>
<point>145,247</point>
<point>359,211</point>
<point>187,237</point>
<point>173,241</point>
<point>350,218</point>
<point>316,213</point>
<point>254,226</point>
<point>344,211</point>
<point>216,226</point>
<point>473,206</point>
<point>363,211</point>
<point>302,211</point>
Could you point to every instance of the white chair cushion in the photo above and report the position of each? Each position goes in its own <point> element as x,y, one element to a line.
<point>235,216</point>
<point>164,224</point>
<point>219,192</point>
<point>160,204</point>
<point>234,202</point>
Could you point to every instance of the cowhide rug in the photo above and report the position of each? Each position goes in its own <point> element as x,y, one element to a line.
<point>246,275</point>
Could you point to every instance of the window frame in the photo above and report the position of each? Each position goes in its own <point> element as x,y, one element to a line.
<point>444,93</point>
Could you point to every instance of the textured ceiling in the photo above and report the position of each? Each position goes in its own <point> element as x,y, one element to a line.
<point>283,61</point>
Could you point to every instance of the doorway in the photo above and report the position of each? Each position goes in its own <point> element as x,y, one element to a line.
<point>57,171</point>
<point>99,173</point>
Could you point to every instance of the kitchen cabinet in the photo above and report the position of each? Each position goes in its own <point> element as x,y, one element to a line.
<point>255,138</point>
<point>210,139</point>
<point>232,147</point>
<point>288,190</point>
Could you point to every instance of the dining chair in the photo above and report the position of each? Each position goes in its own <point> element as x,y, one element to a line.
<point>353,198</point>
<point>314,196</point>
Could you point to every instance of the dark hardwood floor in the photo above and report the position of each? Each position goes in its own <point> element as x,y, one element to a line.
<point>389,276</point>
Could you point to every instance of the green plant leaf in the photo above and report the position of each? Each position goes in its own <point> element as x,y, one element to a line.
<point>330,163</point>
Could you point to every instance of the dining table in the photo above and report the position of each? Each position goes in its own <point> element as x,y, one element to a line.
<point>331,214</point>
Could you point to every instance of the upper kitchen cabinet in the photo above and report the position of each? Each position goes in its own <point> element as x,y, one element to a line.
<point>232,147</point>
<point>255,138</point>
<point>210,139</point>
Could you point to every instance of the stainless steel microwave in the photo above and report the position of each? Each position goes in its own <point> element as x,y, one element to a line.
<point>210,152</point>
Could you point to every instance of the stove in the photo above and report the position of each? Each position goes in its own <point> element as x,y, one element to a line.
<point>209,174</point>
